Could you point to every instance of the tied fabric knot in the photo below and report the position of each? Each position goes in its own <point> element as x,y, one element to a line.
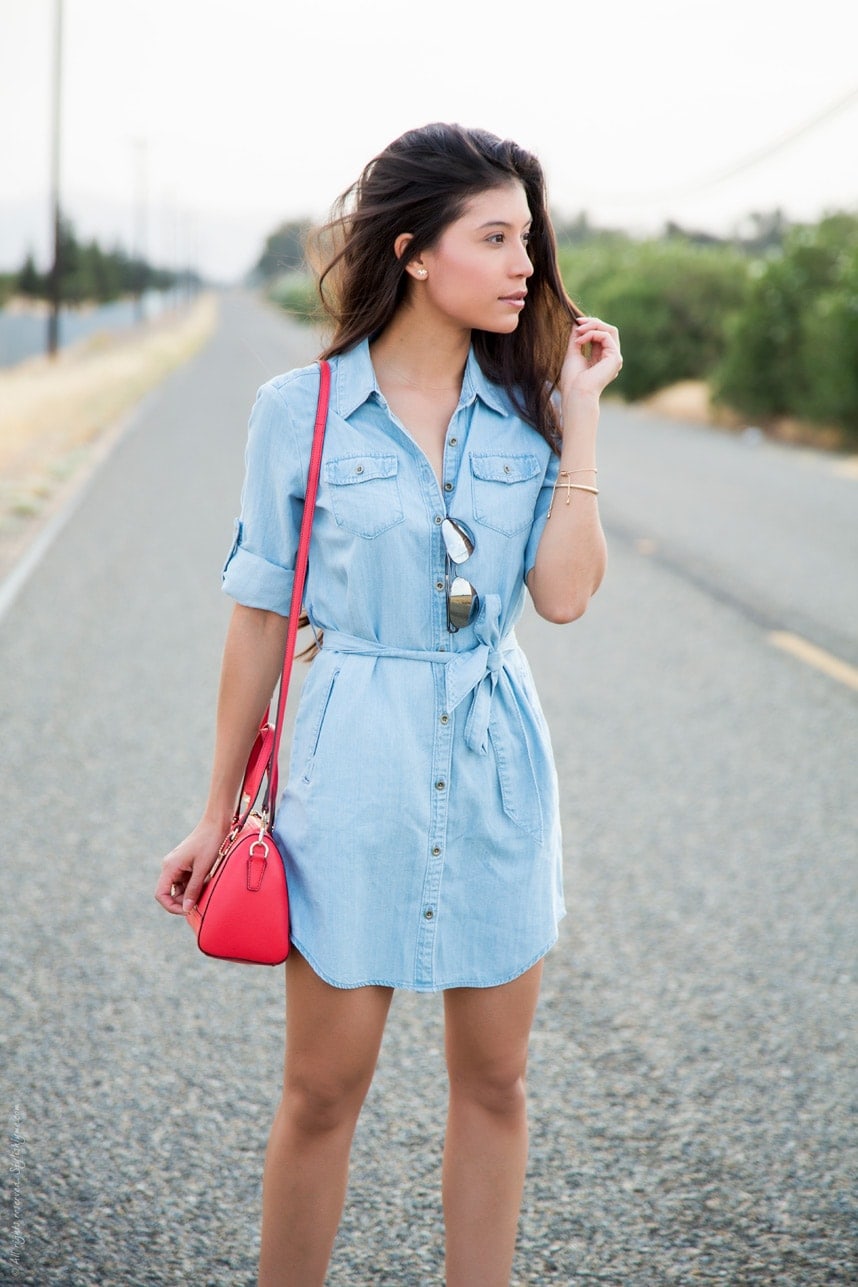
<point>479,670</point>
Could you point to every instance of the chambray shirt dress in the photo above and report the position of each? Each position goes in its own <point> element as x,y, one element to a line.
<point>420,816</point>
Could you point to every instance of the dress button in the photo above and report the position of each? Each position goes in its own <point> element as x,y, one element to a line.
<point>439,518</point>
<point>445,718</point>
<point>506,469</point>
<point>428,913</point>
<point>448,487</point>
<point>358,469</point>
<point>439,585</point>
<point>436,849</point>
<point>454,442</point>
<point>439,786</point>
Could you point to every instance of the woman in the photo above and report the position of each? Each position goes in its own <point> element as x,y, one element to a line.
<point>420,817</point>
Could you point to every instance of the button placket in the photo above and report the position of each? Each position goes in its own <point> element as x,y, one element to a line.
<point>451,457</point>
<point>439,612</point>
<point>429,908</point>
<point>450,474</point>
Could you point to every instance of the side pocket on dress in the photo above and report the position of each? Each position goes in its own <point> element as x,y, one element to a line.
<point>317,731</point>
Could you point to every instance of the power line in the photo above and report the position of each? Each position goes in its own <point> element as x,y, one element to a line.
<point>763,153</point>
<point>745,163</point>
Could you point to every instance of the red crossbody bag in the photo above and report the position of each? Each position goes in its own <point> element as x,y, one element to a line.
<point>242,913</point>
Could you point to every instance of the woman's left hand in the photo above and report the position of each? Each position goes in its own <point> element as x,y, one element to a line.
<point>592,374</point>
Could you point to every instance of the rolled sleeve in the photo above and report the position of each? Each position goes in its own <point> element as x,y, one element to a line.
<point>260,569</point>
<point>540,514</point>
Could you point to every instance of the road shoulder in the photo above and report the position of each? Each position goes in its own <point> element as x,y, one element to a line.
<point>61,417</point>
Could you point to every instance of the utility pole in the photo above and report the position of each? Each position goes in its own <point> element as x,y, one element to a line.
<point>141,199</point>
<point>56,270</point>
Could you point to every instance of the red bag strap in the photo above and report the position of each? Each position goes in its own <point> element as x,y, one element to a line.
<point>300,577</point>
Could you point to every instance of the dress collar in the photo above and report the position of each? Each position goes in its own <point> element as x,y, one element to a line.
<point>356,382</point>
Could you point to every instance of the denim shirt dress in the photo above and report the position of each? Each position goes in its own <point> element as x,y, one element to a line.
<point>420,816</point>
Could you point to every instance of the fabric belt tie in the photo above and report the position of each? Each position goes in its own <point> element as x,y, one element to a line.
<point>479,670</point>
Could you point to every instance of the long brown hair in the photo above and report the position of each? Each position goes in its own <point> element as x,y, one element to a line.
<point>420,184</point>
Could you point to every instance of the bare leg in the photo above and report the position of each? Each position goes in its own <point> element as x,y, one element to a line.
<point>485,1154</point>
<point>333,1037</point>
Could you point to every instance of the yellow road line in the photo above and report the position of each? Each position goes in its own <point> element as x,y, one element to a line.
<point>814,656</point>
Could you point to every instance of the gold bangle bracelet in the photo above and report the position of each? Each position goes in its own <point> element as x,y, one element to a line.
<point>566,475</point>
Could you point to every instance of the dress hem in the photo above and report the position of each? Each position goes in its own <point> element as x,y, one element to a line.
<point>411,986</point>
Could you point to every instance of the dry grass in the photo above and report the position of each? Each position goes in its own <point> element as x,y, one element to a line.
<point>57,415</point>
<point>690,400</point>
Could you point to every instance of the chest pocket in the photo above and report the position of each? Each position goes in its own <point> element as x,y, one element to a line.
<point>364,493</point>
<point>504,490</point>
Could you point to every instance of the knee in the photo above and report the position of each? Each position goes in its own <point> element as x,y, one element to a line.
<point>498,1090</point>
<point>321,1103</point>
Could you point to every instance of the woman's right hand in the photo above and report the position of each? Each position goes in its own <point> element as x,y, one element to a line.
<point>185,868</point>
<point>252,660</point>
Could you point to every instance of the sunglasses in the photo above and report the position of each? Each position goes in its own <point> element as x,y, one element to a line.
<point>463,602</point>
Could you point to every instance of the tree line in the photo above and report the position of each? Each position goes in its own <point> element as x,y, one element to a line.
<point>87,273</point>
<point>769,319</point>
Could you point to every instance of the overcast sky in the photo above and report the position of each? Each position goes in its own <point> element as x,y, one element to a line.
<point>231,115</point>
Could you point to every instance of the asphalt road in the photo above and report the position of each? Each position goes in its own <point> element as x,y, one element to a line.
<point>693,1064</point>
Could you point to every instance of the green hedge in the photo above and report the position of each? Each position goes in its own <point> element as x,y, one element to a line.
<point>793,349</point>
<point>670,300</point>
